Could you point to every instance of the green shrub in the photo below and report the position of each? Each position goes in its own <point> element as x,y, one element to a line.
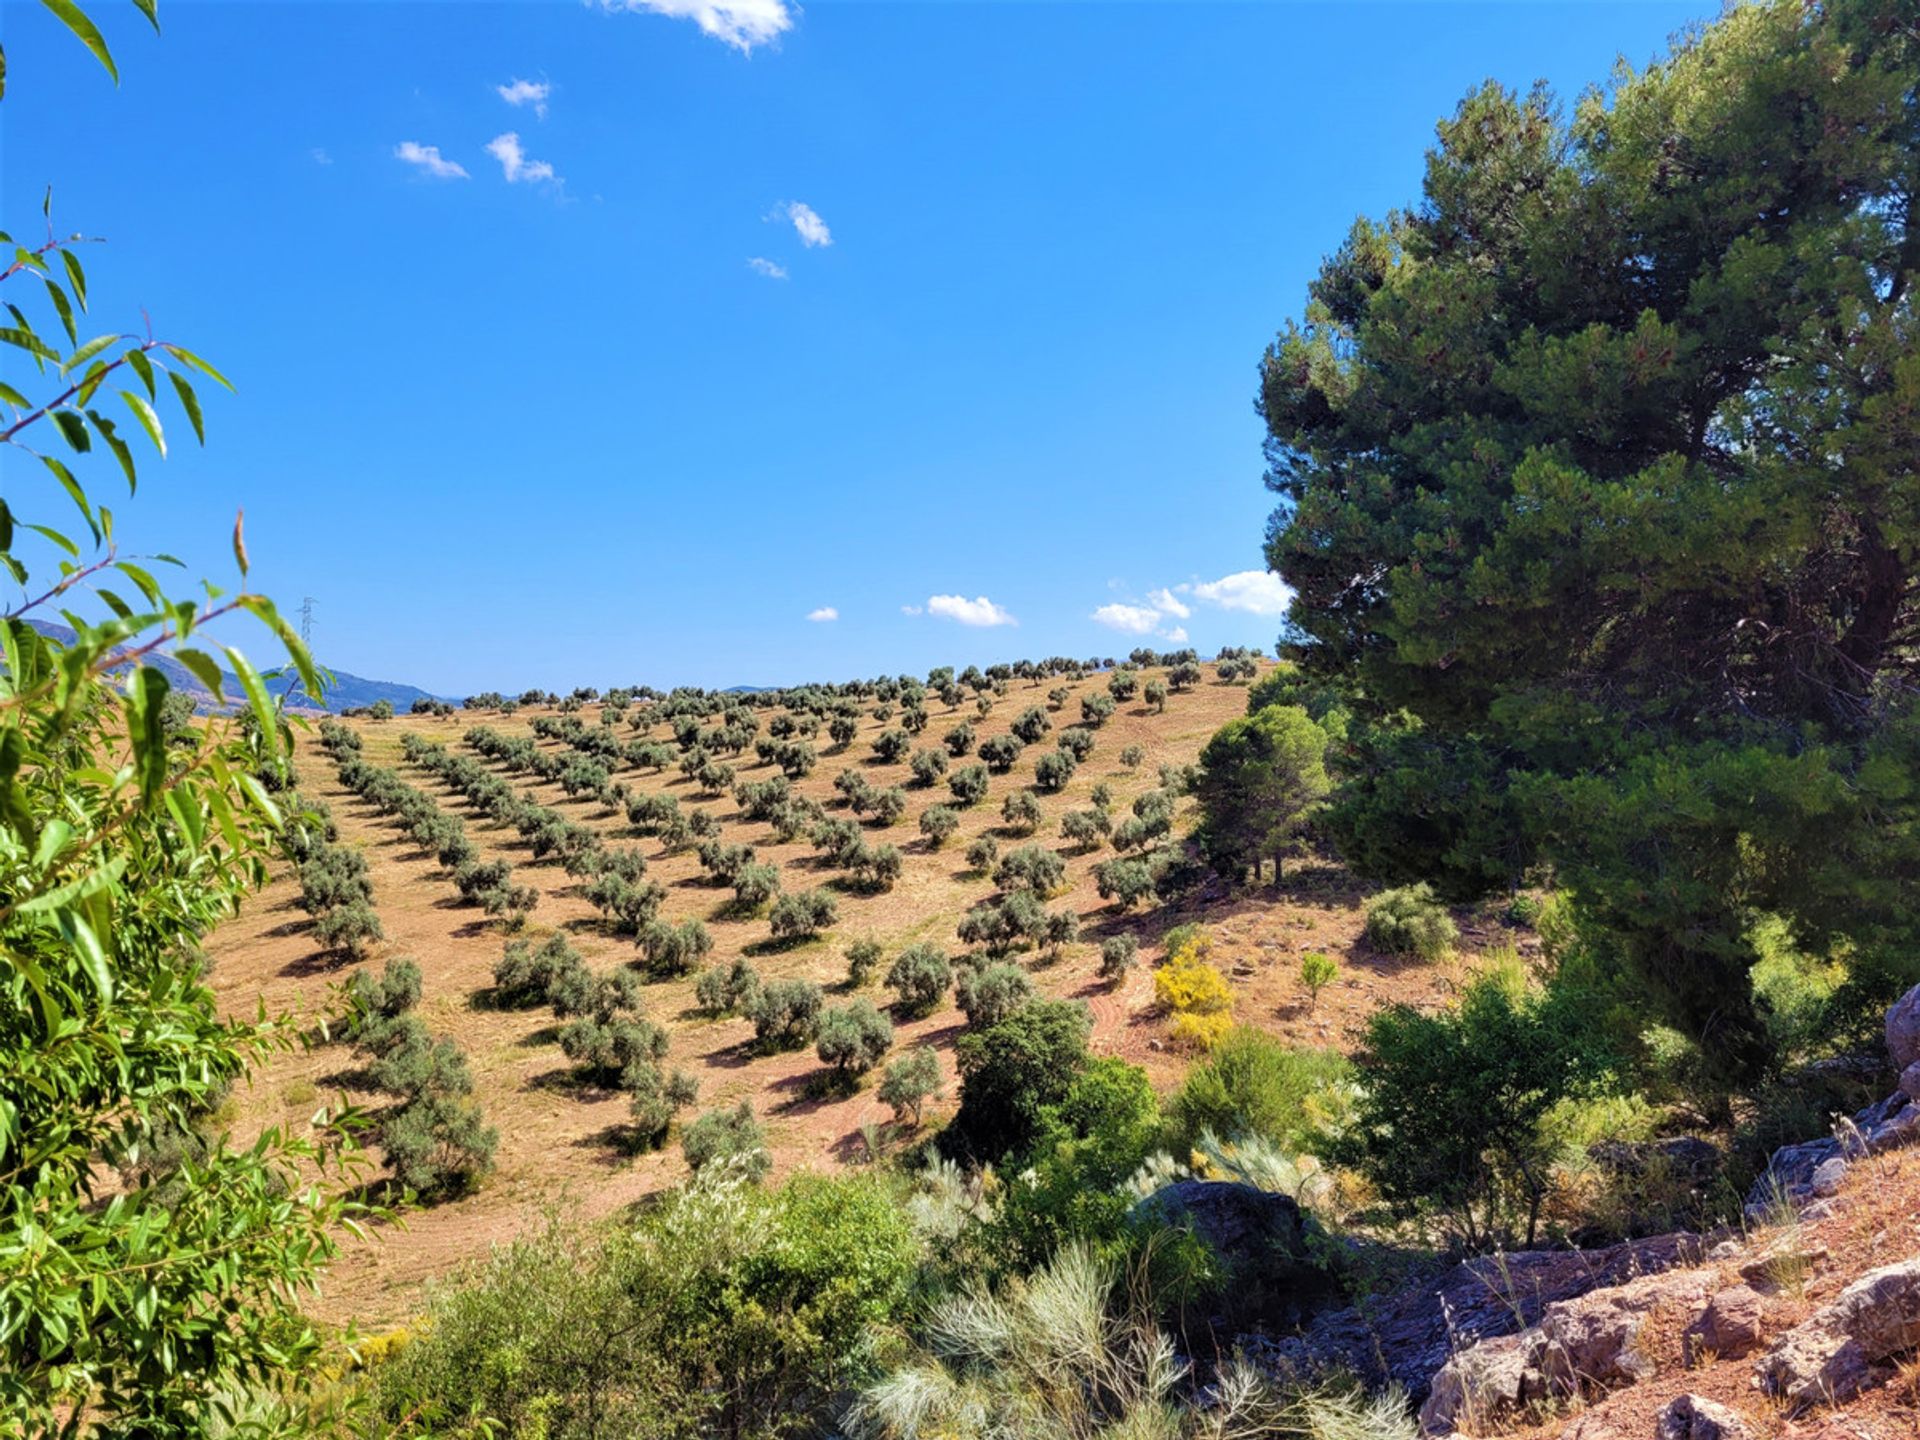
<point>785,1013</point>
<point>1000,753</point>
<point>989,994</point>
<point>938,823</point>
<point>1020,811</point>
<point>968,785</point>
<point>347,930</point>
<point>1054,770</point>
<point>959,740</point>
<point>928,766</point>
<point>1118,954</point>
<point>1031,724</point>
<point>803,915</point>
<point>1013,1072</point>
<point>853,1038</point>
<point>1421,1132</point>
<point>725,989</point>
<point>1251,1084</point>
<point>909,1083</point>
<point>919,976</point>
<point>1409,921</point>
<point>732,1135</point>
<point>863,958</point>
<point>1317,971</point>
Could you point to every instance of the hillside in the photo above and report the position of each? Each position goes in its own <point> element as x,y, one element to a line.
<point>561,1138</point>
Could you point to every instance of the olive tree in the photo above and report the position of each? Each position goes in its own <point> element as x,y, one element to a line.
<point>853,1038</point>
<point>919,976</point>
<point>938,823</point>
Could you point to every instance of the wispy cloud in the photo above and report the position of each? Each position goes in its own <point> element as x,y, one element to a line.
<point>1167,603</point>
<point>760,265</point>
<point>979,611</point>
<point>824,615</point>
<point>742,24</point>
<point>531,93</point>
<point>320,155</point>
<point>1257,592</point>
<point>514,163</point>
<point>807,224</point>
<point>428,160</point>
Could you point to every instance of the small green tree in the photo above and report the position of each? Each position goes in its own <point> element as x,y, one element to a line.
<point>938,823</point>
<point>909,1083</point>
<point>1451,1119</point>
<point>1260,778</point>
<point>1317,971</point>
<point>853,1038</point>
<point>1118,955</point>
<point>863,958</point>
<point>990,993</point>
<point>968,785</point>
<point>919,976</point>
<point>1020,812</point>
<point>734,1136</point>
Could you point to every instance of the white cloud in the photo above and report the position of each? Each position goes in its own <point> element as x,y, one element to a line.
<point>1132,619</point>
<point>811,229</point>
<point>527,92</point>
<point>1178,634</point>
<point>760,265</point>
<point>320,155</point>
<point>1258,592</point>
<point>428,159</point>
<point>912,610</point>
<point>742,24</point>
<point>824,614</point>
<point>979,611</point>
<point>1167,603</point>
<point>513,160</point>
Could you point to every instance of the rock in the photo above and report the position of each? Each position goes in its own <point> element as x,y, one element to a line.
<point>1581,1345</point>
<point>1694,1417</point>
<point>1261,1238</point>
<point>1829,1357</point>
<point>1407,1335</point>
<point>1479,1385</point>
<point>1782,1261</point>
<point>1789,1174</point>
<point>1828,1176</point>
<point>1591,1342</point>
<point>1910,1081</point>
<point>1731,1326</point>
<point>1903,1029</point>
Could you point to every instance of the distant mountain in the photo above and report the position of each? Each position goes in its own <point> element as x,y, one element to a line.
<point>347,692</point>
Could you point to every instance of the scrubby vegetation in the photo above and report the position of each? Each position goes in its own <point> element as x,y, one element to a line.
<point>1593,720</point>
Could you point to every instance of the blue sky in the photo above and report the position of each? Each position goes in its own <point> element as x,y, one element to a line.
<point>940,318</point>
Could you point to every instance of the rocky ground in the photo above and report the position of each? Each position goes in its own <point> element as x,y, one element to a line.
<point>1805,1325</point>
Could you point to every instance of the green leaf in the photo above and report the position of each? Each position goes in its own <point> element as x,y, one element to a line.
<point>190,403</point>
<point>149,420</point>
<point>73,429</point>
<point>26,340</point>
<point>76,277</point>
<point>121,450</point>
<point>87,946</point>
<point>64,310</point>
<point>13,397</point>
<point>75,19</point>
<point>150,9</point>
<point>87,351</point>
<point>187,357</point>
<point>143,367</point>
<point>147,730</point>
<point>74,492</point>
<point>203,668</point>
<point>258,699</point>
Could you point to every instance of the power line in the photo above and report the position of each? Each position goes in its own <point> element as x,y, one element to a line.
<point>306,623</point>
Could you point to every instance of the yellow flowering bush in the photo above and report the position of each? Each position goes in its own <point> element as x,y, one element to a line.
<point>1197,995</point>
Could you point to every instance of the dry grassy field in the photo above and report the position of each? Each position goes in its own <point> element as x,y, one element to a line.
<point>562,1145</point>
